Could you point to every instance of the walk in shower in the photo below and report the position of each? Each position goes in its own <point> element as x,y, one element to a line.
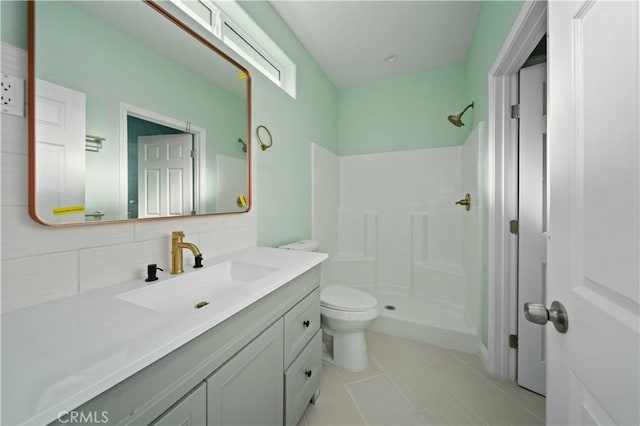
<point>396,232</point>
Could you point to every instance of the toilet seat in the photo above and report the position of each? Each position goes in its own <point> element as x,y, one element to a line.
<point>347,299</point>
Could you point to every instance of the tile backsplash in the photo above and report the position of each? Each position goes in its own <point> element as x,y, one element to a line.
<point>44,263</point>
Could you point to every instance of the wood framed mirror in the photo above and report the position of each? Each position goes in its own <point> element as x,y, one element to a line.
<point>133,115</point>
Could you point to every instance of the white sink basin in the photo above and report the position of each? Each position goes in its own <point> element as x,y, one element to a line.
<point>219,284</point>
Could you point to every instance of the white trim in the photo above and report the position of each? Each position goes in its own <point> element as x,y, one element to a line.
<point>214,26</point>
<point>199,140</point>
<point>528,29</point>
<point>483,352</point>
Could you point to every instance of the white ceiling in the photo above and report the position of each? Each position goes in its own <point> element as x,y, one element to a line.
<point>351,39</point>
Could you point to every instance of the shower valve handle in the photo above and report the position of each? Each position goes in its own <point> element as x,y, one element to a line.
<point>466,202</point>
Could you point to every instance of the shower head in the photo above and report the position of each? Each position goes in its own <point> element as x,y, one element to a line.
<point>456,120</point>
<point>244,145</point>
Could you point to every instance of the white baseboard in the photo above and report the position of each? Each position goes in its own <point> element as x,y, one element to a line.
<point>484,355</point>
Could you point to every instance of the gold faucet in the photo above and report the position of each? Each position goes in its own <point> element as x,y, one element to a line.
<point>176,252</point>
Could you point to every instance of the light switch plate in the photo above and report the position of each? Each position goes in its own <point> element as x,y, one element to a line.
<point>12,95</point>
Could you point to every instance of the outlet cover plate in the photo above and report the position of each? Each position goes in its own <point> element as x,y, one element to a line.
<point>12,95</point>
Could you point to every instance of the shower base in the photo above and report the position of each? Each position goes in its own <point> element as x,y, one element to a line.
<point>404,316</point>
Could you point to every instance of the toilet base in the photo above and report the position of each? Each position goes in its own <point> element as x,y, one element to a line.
<point>347,351</point>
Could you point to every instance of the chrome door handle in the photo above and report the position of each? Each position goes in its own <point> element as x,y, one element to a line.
<point>539,314</point>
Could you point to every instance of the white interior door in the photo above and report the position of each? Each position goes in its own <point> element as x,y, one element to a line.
<point>165,175</point>
<point>593,370</point>
<point>532,217</point>
<point>60,139</point>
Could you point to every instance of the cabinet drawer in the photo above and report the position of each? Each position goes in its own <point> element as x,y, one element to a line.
<point>300,323</point>
<point>190,410</point>
<point>302,379</point>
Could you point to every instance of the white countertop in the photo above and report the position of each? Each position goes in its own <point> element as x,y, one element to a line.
<point>59,355</point>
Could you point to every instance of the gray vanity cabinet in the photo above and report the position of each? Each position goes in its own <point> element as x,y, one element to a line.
<point>258,367</point>
<point>247,390</point>
<point>189,411</point>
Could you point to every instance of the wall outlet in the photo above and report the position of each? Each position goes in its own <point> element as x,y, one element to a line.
<point>12,95</point>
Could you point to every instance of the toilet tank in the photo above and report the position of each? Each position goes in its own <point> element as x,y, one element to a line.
<point>303,245</point>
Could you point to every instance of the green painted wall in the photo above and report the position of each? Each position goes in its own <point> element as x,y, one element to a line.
<point>493,25</point>
<point>13,22</point>
<point>284,171</point>
<point>403,113</point>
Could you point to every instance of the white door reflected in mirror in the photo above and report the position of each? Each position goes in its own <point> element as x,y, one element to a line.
<point>165,175</point>
<point>60,137</point>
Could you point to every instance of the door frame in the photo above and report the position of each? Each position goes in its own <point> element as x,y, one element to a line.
<point>502,168</point>
<point>199,141</point>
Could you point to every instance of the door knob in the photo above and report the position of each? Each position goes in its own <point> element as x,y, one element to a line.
<point>539,314</point>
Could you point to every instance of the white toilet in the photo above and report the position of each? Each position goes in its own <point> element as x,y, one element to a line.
<point>345,312</point>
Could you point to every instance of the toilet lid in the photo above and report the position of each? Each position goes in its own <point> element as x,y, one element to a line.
<point>347,299</point>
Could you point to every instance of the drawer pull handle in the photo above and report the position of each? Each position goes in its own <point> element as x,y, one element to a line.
<point>306,323</point>
<point>307,373</point>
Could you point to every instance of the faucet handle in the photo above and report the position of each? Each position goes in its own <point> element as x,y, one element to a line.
<point>177,234</point>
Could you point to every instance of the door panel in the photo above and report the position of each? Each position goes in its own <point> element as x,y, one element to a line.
<point>60,137</point>
<point>165,175</point>
<point>532,216</point>
<point>593,369</point>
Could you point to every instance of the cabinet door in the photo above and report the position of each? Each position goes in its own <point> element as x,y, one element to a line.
<point>189,411</point>
<point>248,389</point>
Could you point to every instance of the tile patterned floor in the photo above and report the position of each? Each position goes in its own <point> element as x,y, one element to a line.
<point>415,383</point>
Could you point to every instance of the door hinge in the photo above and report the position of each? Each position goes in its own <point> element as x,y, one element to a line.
<point>193,153</point>
<point>514,227</point>
<point>513,341</point>
<point>515,111</point>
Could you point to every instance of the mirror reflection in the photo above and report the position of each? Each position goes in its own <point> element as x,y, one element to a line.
<point>134,117</point>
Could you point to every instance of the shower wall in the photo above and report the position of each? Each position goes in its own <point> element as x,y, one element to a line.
<point>399,234</point>
<point>398,229</point>
<point>325,199</point>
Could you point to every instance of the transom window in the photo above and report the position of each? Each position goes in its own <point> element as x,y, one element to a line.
<point>228,22</point>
